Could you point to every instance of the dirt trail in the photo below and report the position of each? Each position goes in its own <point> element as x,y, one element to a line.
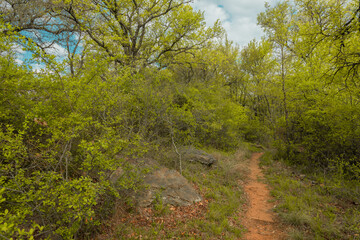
<point>259,219</point>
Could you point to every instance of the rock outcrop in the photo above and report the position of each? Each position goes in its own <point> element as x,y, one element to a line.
<point>168,185</point>
<point>161,183</point>
<point>194,155</point>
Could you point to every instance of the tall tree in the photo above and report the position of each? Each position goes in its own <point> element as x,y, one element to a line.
<point>277,23</point>
<point>130,32</point>
<point>257,63</point>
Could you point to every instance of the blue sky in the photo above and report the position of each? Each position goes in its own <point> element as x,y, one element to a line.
<point>238,17</point>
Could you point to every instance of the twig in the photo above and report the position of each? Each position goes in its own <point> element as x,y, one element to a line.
<point>4,237</point>
<point>177,152</point>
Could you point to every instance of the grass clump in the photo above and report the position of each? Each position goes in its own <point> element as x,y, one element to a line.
<point>221,187</point>
<point>310,203</point>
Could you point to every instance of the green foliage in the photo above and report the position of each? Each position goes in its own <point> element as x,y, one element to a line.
<point>64,129</point>
<point>218,125</point>
<point>40,201</point>
<point>316,205</point>
<point>159,207</point>
<point>224,195</point>
<point>135,80</point>
<point>301,82</point>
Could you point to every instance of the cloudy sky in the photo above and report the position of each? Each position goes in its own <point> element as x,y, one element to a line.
<point>238,17</point>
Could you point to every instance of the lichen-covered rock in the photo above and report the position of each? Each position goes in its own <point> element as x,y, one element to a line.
<point>194,155</point>
<point>170,186</point>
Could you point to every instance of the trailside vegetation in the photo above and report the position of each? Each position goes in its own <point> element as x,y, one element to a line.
<point>85,85</point>
<point>312,101</point>
<point>102,81</point>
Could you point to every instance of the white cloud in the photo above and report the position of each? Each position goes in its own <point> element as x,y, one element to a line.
<point>244,30</point>
<point>18,49</point>
<point>212,11</point>
<point>19,61</point>
<point>22,55</point>
<point>37,68</point>
<point>19,53</point>
<point>238,17</point>
<point>57,50</point>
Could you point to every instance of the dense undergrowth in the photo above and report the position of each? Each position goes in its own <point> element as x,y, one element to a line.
<point>316,204</point>
<point>126,85</point>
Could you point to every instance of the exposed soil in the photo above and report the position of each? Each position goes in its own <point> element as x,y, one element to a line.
<point>260,220</point>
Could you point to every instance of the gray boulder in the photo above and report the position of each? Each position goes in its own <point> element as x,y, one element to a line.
<point>168,185</point>
<point>194,155</point>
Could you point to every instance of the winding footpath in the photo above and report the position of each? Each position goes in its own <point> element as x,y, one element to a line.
<point>260,220</point>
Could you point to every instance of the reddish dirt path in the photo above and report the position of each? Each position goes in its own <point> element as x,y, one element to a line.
<point>259,219</point>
